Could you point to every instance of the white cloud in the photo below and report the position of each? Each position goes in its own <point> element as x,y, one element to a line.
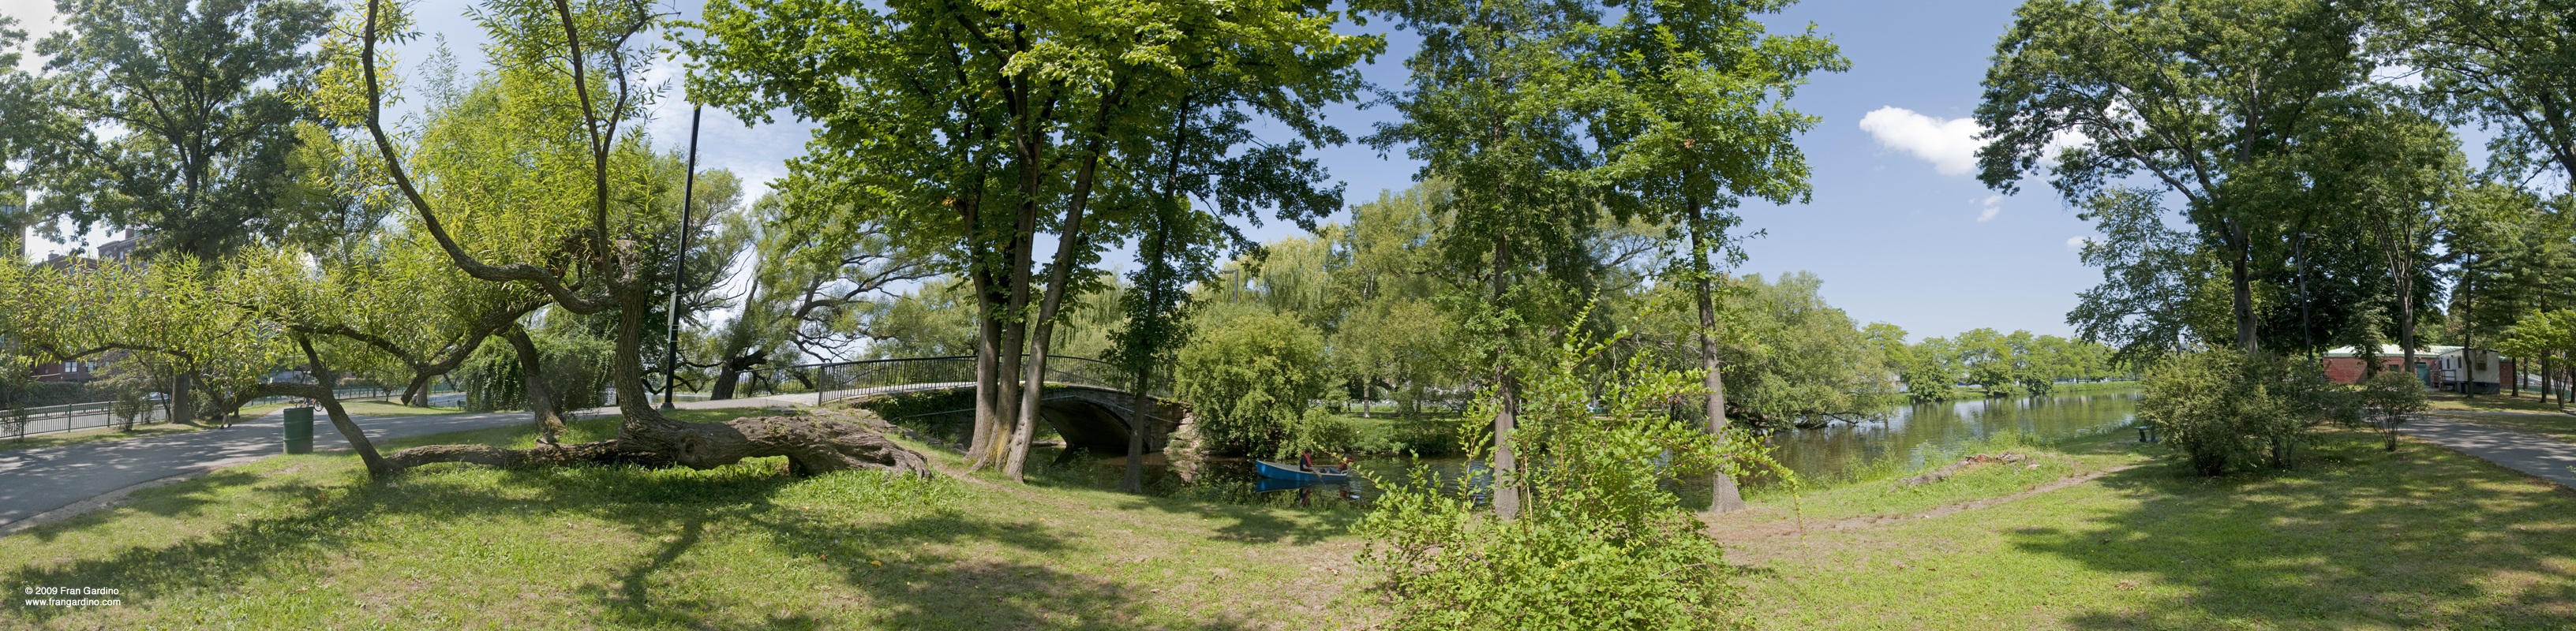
<point>2076,243</point>
<point>1994,204</point>
<point>1949,144</point>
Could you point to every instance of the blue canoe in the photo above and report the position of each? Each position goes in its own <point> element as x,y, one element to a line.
<point>1293,472</point>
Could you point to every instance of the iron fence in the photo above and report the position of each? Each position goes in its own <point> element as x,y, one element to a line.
<point>76,416</point>
<point>842,380</point>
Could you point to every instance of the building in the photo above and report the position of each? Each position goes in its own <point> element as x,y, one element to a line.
<point>2344,365</point>
<point>2440,367</point>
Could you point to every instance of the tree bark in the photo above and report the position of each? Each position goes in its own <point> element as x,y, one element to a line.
<point>1138,421</point>
<point>1724,497</point>
<point>541,402</point>
<point>322,391</point>
<point>1507,497</point>
<point>1068,239</point>
<point>2241,278</point>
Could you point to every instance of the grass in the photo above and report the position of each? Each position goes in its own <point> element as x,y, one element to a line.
<point>2355,538</point>
<point>102,434</point>
<point>307,541</point>
<point>2528,402</point>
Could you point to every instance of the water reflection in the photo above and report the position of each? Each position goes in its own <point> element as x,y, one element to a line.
<point>1906,438</point>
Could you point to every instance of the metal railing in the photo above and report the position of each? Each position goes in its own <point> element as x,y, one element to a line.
<point>78,416</point>
<point>842,380</point>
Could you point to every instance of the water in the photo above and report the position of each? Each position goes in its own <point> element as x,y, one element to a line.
<point>1908,438</point>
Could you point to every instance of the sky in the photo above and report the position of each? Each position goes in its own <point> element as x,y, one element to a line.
<point>1899,229</point>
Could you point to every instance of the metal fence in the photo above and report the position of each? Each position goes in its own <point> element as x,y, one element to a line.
<point>842,380</point>
<point>78,416</point>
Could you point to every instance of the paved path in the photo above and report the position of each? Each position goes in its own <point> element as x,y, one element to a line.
<point>2536,455</point>
<point>33,481</point>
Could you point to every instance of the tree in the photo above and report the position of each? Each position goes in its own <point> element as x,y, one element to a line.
<point>1699,122</point>
<point>1797,359</point>
<point>202,90</point>
<point>1021,108</point>
<point>1495,108</point>
<point>2504,62</point>
<point>2207,98</point>
<point>1250,380</point>
<point>36,138</point>
<point>573,77</point>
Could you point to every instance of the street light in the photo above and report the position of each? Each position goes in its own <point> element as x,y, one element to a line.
<point>679,267</point>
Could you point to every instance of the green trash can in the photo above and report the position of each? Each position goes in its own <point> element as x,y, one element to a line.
<point>299,430</point>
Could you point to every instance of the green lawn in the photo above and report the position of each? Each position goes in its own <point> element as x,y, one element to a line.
<point>2528,402</point>
<point>2356,538</point>
<point>2559,426</point>
<point>95,435</point>
<point>305,542</point>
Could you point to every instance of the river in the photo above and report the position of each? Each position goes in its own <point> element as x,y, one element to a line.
<point>1906,438</point>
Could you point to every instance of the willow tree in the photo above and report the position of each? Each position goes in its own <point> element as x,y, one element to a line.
<point>2208,99</point>
<point>976,128</point>
<point>572,76</point>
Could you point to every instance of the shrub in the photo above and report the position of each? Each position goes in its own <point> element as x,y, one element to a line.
<point>1601,544</point>
<point>2390,396</point>
<point>1250,381</point>
<point>2228,411</point>
<point>575,369</point>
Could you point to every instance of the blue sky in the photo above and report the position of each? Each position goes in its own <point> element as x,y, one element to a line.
<point>1899,228</point>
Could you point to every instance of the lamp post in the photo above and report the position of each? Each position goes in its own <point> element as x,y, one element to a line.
<point>679,267</point>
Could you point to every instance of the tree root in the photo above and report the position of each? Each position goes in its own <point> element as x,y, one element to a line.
<point>813,446</point>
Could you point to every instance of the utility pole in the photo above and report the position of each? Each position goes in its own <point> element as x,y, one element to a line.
<point>679,268</point>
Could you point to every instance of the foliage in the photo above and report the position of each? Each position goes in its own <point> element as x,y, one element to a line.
<point>202,88</point>
<point>2212,100</point>
<point>2389,397</point>
<point>576,370</point>
<point>1250,380</point>
<point>2227,411</point>
<point>1602,545</point>
<point>1799,355</point>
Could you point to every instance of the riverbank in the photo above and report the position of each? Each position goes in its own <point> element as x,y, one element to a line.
<point>305,541</point>
<point>2354,538</point>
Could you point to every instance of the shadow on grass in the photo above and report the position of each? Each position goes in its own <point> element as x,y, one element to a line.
<point>920,565</point>
<point>2356,537</point>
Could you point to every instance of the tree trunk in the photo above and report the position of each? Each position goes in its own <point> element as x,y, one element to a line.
<point>323,392</point>
<point>1068,239</point>
<point>2242,280</point>
<point>183,399</point>
<point>1139,420</point>
<point>988,338</point>
<point>1507,498</point>
<point>541,403</point>
<point>1724,497</point>
<point>416,394</point>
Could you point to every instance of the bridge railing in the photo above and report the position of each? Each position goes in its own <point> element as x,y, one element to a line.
<point>842,380</point>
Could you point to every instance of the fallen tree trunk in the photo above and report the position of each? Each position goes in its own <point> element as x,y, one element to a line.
<point>812,445</point>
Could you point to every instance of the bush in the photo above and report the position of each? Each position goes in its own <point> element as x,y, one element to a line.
<point>2228,411</point>
<point>1250,381</point>
<point>1601,543</point>
<point>575,369</point>
<point>2390,396</point>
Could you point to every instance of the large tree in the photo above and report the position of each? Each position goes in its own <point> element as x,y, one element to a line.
<point>2207,99</point>
<point>202,93</point>
<point>1701,121</point>
<point>573,78</point>
<point>977,128</point>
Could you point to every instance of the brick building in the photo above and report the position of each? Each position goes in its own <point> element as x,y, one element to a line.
<point>2440,367</point>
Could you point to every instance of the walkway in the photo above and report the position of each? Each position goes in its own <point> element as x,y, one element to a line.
<point>34,481</point>
<point>2549,459</point>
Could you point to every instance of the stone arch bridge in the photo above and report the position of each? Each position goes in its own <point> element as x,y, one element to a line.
<point>1084,399</point>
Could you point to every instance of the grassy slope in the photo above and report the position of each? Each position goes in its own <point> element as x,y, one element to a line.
<point>303,541</point>
<point>2355,539</point>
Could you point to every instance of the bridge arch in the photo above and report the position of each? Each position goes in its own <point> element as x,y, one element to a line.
<point>1083,400</point>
